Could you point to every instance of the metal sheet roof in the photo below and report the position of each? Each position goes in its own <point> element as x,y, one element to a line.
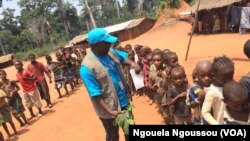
<point>118,27</point>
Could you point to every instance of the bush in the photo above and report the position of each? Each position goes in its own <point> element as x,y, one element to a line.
<point>174,3</point>
<point>191,2</point>
<point>171,3</point>
<point>39,52</point>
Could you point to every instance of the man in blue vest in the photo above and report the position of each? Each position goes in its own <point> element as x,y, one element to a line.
<point>103,76</point>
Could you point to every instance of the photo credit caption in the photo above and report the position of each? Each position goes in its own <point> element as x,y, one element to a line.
<point>180,132</point>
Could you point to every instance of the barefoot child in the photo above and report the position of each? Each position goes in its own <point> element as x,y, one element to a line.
<point>234,98</point>
<point>38,69</point>
<point>67,73</point>
<point>155,80</point>
<point>196,93</point>
<point>57,68</point>
<point>14,99</point>
<point>31,94</point>
<point>177,96</point>
<point>5,115</point>
<point>213,106</point>
<point>170,61</point>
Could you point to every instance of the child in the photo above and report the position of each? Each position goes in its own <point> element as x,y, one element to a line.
<point>128,48</point>
<point>155,80</point>
<point>5,115</point>
<point>234,98</point>
<point>152,67</point>
<point>177,96</point>
<point>156,51</point>
<point>194,76</point>
<point>38,69</point>
<point>31,94</point>
<point>137,49</point>
<point>245,80</point>
<point>170,61</point>
<point>146,64</point>
<point>131,55</point>
<point>196,93</point>
<point>72,64</point>
<point>57,69</point>
<point>14,99</point>
<point>213,107</point>
<point>67,73</point>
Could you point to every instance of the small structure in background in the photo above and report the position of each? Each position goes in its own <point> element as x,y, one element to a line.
<point>6,61</point>
<point>124,31</point>
<point>216,16</point>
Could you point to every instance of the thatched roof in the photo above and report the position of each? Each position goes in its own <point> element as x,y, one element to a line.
<point>6,58</point>
<point>211,4</point>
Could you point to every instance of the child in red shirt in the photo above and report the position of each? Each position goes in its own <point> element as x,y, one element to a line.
<point>31,94</point>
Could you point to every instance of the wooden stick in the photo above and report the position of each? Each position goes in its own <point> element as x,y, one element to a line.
<point>193,28</point>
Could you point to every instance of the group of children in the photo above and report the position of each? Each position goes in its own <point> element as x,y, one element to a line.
<point>34,85</point>
<point>212,98</point>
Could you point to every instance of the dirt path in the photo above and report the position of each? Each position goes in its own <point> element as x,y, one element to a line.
<point>73,118</point>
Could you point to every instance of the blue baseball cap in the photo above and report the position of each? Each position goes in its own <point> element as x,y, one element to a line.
<point>100,35</point>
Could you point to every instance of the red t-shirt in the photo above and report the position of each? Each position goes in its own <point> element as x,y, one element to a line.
<point>37,69</point>
<point>28,85</point>
<point>146,72</point>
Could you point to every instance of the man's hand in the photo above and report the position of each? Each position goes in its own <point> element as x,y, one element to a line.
<point>115,113</point>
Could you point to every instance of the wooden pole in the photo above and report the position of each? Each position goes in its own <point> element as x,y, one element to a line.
<point>193,28</point>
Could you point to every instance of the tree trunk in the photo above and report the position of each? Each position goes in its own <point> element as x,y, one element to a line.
<point>139,7</point>
<point>70,34</point>
<point>43,30</point>
<point>61,11</point>
<point>118,8</point>
<point>87,24</point>
<point>2,48</point>
<point>90,13</point>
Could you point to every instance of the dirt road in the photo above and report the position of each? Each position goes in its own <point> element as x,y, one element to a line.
<point>73,118</point>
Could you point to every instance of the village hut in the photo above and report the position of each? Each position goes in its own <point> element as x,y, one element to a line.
<point>6,61</point>
<point>124,31</point>
<point>209,10</point>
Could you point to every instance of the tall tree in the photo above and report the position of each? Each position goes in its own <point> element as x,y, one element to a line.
<point>117,4</point>
<point>90,13</point>
<point>39,11</point>
<point>61,11</point>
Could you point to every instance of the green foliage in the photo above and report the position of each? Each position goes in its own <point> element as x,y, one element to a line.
<point>171,3</point>
<point>39,52</point>
<point>46,22</point>
<point>125,119</point>
<point>191,2</point>
<point>40,24</point>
